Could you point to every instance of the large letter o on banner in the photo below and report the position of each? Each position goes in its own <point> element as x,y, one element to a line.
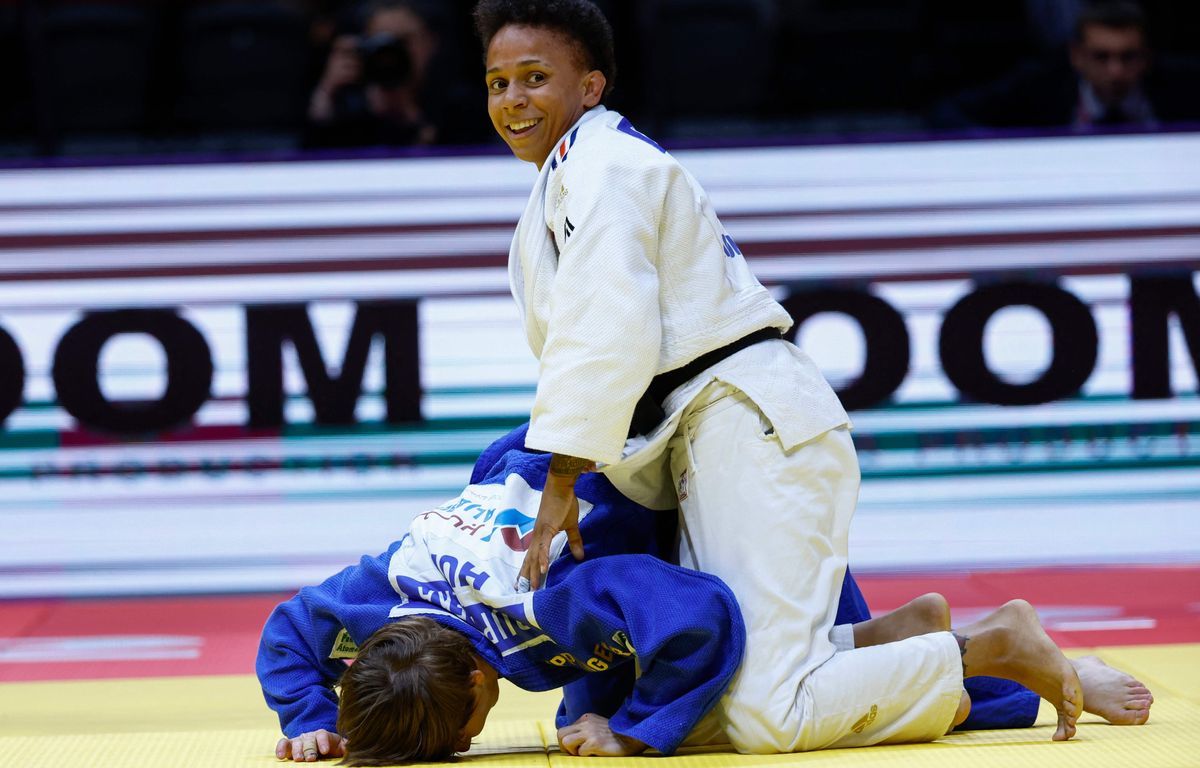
<point>12,375</point>
<point>189,371</point>
<point>885,333</point>
<point>1073,352</point>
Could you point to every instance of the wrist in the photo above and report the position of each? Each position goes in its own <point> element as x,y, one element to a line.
<point>564,466</point>
<point>629,745</point>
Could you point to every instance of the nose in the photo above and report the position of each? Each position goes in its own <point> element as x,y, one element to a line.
<point>515,97</point>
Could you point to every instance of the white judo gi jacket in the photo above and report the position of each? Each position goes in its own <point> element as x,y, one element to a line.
<point>622,271</point>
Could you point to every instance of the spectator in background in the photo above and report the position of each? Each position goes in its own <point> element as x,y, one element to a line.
<point>374,90</point>
<point>1105,82</point>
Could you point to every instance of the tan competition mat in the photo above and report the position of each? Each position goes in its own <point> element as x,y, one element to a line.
<point>221,721</point>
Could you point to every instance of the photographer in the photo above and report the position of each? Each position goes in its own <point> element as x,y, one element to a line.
<point>373,92</point>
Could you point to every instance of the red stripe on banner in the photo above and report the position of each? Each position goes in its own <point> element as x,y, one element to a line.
<point>169,636</point>
<point>81,438</point>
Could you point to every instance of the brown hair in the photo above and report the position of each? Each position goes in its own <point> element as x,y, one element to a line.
<point>408,695</point>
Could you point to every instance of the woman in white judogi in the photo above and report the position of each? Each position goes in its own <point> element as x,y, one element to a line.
<point>624,274</point>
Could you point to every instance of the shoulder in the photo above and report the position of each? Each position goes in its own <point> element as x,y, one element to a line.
<point>611,141</point>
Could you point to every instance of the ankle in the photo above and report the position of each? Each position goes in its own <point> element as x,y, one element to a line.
<point>984,650</point>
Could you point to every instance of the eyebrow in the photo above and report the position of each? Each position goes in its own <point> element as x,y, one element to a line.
<point>522,63</point>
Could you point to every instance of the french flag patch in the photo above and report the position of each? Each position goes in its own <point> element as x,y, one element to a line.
<point>560,154</point>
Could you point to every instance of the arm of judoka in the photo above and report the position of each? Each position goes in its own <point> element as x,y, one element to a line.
<point>296,681</point>
<point>294,663</point>
<point>558,511</point>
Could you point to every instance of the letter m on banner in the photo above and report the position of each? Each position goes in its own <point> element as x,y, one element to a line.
<point>334,397</point>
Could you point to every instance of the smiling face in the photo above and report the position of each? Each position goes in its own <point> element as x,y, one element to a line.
<point>538,87</point>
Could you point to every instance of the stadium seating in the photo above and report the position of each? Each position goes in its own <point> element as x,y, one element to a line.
<point>91,66</point>
<point>242,69</point>
<point>705,86</point>
<point>16,119</point>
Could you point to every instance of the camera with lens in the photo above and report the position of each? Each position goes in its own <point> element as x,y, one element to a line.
<point>386,59</point>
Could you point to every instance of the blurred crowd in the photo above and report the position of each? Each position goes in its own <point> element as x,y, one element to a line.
<point>122,77</point>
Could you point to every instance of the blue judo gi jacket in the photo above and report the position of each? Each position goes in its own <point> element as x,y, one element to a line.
<point>607,616</point>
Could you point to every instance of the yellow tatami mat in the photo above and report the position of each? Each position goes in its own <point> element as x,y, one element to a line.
<point>221,721</point>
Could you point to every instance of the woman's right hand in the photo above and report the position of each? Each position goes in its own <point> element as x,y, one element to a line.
<point>311,747</point>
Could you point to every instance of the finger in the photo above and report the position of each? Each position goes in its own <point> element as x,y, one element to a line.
<point>575,541</point>
<point>543,563</point>
<point>526,567</point>
<point>310,748</point>
<point>533,559</point>
<point>544,554</point>
<point>590,748</point>
<point>323,742</point>
<point>298,750</point>
<point>281,748</point>
<point>571,741</point>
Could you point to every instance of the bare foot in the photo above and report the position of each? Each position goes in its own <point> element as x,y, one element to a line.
<point>927,613</point>
<point>1011,643</point>
<point>1112,694</point>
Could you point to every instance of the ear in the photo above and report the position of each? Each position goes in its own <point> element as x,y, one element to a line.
<point>475,678</point>
<point>594,84</point>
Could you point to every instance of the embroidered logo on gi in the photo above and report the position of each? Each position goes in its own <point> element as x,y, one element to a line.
<point>865,720</point>
<point>564,147</point>
<point>568,227</point>
<point>730,247</point>
<point>343,647</point>
<point>516,529</point>
<point>683,485</point>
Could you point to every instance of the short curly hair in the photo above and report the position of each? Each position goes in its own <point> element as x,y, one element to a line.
<point>580,21</point>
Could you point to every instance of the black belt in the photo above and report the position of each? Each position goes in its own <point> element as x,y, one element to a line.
<point>648,413</point>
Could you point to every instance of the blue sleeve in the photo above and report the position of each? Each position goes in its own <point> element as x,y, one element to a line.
<point>602,693</point>
<point>683,628</point>
<point>294,663</point>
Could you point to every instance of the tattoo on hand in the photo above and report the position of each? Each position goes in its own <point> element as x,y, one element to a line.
<point>561,464</point>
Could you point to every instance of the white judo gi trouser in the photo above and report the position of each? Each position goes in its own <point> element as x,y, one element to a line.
<point>774,525</point>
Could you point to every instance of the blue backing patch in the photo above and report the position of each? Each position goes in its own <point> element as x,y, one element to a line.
<point>627,127</point>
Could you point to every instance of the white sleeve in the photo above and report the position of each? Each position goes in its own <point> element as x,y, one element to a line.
<point>604,329</point>
<point>842,637</point>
